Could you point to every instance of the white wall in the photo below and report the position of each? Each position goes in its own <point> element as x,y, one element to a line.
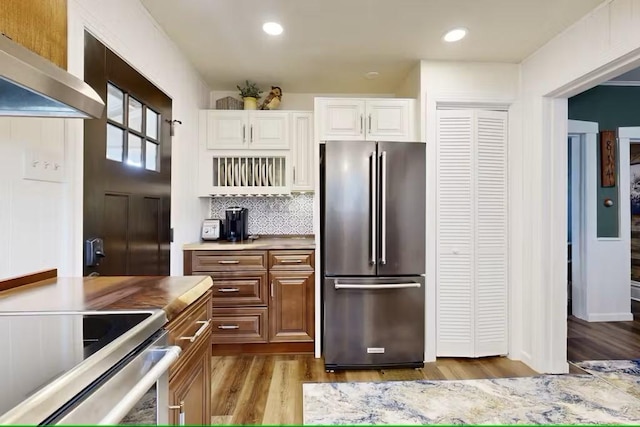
<point>600,46</point>
<point>295,101</point>
<point>466,84</point>
<point>127,28</point>
<point>31,212</point>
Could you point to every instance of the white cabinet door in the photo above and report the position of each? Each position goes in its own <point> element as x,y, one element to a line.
<point>389,120</point>
<point>268,130</point>
<point>472,319</point>
<point>341,119</point>
<point>303,152</point>
<point>227,130</point>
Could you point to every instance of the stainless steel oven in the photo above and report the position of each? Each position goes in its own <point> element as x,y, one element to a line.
<point>86,368</point>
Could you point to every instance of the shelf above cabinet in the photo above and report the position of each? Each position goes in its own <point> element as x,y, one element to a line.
<point>246,175</point>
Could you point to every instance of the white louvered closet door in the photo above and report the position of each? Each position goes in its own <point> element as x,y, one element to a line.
<point>472,233</point>
<point>455,233</point>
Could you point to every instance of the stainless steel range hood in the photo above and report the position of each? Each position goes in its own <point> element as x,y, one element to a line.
<point>30,85</point>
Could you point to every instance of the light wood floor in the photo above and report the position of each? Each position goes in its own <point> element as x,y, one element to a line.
<point>268,389</point>
<point>604,340</point>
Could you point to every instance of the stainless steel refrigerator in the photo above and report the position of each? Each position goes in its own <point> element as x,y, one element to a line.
<point>373,239</point>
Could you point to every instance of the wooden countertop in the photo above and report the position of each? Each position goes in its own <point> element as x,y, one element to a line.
<point>263,243</point>
<point>172,294</point>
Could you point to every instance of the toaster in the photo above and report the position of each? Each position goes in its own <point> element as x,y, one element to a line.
<point>212,229</point>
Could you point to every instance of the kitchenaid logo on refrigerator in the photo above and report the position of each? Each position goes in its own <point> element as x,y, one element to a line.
<point>375,350</point>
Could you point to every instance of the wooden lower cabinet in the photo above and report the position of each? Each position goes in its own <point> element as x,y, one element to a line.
<point>291,314</point>
<point>190,375</point>
<point>190,388</point>
<point>263,301</point>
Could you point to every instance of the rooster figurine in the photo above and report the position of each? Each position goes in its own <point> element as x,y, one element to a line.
<point>272,101</point>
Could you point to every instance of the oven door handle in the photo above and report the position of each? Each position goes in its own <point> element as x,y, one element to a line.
<point>123,407</point>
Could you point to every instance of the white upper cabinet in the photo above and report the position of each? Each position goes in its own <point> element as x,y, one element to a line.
<point>374,119</point>
<point>342,119</point>
<point>226,130</point>
<point>240,129</point>
<point>389,120</point>
<point>268,130</point>
<point>302,152</point>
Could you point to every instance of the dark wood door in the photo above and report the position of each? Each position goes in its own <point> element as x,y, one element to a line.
<point>190,388</point>
<point>127,168</point>
<point>291,315</point>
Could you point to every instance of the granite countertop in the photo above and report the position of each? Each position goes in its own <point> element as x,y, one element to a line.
<point>172,294</point>
<point>262,243</point>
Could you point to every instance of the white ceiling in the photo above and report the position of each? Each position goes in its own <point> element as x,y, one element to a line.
<point>328,45</point>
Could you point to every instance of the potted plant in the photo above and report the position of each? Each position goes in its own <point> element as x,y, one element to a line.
<point>250,94</point>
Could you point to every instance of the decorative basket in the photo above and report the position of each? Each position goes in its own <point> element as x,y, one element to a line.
<point>229,103</point>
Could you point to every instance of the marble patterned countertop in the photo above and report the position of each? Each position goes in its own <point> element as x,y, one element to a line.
<point>172,294</point>
<point>262,243</point>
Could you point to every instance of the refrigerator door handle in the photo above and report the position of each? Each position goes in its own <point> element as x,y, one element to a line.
<point>383,207</point>
<point>381,286</point>
<point>374,206</point>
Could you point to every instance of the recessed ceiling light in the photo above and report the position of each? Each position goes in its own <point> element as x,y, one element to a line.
<point>372,75</point>
<point>455,35</point>
<point>272,28</point>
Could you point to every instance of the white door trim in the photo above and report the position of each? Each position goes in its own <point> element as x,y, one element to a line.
<point>583,137</point>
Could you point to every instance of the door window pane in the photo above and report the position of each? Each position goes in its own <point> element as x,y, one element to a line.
<point>135,114</point>
<point>134,152</point>
<point>152,124</point>
<point>151,161</point>
<point>115,104</point>
<point>115,143</point>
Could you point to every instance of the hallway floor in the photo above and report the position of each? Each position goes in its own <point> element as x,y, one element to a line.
<point>604,340</point>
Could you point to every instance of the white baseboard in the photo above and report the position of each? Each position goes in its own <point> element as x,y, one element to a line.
<point>609,317</point>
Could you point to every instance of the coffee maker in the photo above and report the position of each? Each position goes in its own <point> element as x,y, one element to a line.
<point>236,224</point>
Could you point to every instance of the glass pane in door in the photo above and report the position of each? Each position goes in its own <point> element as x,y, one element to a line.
<point>115,104</point>
<point>115,143</point>
<point>135,114</point>
<point>134,153</point>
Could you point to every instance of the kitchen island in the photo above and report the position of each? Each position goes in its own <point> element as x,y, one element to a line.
<point>183,302</point>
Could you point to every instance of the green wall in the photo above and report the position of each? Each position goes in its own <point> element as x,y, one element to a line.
<point>612,107</point>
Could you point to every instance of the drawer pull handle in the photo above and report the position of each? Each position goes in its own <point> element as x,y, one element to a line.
<point>228,290</point>
<point>291,261</point>
<point>228,327</point>
<point>199,332</point>
<point>229,262</point>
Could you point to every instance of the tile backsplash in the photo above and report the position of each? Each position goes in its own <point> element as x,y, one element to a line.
<point>271,215</point>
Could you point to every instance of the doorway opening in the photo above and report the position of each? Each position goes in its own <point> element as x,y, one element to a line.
<point>600,323</point>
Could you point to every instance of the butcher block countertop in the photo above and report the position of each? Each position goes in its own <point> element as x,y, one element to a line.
<point>262,243</point>
<point>172,294</point>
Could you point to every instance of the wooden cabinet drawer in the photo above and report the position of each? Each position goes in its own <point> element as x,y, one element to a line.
<point>192,326</point>
<point>205,261</point>
<point>291,260</point>
<point>239,288</point>
<point>240,325</point>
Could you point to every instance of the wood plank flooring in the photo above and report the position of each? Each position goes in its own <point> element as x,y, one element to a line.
<point>604,340</point>
<point>255,389</point>
<point>268,389</point>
